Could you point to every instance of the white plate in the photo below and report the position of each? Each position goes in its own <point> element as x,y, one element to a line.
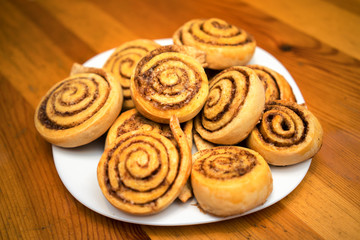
<point>77,168</point>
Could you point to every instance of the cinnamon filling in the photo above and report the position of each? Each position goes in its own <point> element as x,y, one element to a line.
<point>286,138</point>
<point>149,83</point>
<point>218,26</point>
<point>120,60</point>
<point>225,163</point>
<point>264,76</point>
<point>247,40</point>
<point>136,121</point>
<point>226,108</point>
<point>125,56</point>
<point>116,193</point>
<point>59,90</point>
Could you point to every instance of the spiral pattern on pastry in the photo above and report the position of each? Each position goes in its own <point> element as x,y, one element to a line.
<point>287,134</point>
<point>276,86</point>
<point>143,172</point>
<point>230,180</point>
<point>132,120</point>
<point>225,44</point>
<point>122,62</point>
<point>80,108</point>
<point>234,106</point>
<point>167,81</point>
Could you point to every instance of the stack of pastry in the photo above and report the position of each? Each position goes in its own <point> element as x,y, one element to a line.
<point>245,117</point>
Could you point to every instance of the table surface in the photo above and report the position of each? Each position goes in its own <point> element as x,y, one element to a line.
<point>317,41</point>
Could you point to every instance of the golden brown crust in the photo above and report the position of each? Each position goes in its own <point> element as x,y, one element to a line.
<point>80,108</point>
<point>230,180</point>
<point>122,62</point>
<point>201,143</point>
<point>132,120</point>
<point>225,44</point>
<point>166,82</point>
<point>288,134</point>
<point>186,192</point>
<point>188,130</point>
<point>276,86</point>
<point>143,172</point>
<point>234,106</point>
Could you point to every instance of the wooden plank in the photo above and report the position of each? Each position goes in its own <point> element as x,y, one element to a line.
<point>41,40</point>
<point>30,61</point>
<point>92,25</point>
<point>34,202</point>
<point>267,224</point>
<point>335,23</point>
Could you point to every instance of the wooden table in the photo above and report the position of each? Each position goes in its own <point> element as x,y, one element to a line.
<point>317,41</point>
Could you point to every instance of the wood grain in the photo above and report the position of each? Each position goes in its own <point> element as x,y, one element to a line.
<point>317,41</point>
<point>328,21</point>
<point>34,202</point>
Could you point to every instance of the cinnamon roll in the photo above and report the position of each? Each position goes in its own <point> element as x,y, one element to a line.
<point>143,172</point>
<point>276,86</point>
<point>168,81</point>
<point>122,62</point>
<point>287,134</point>
<point>230,180</point>
<point>225,44</point>
<point>132,120</point>
<point>80,108</point>
<point>234,106</point>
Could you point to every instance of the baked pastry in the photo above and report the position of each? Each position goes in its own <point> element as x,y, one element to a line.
<point>168,81</point>
<point>287,134</point>
<point>225,44</point>
<point>276,86</point>
<point>80,108</point>
<point>132,120</point>
<point>201,143</point>
<point>233,108</point>
<point>230,180</point>
<point>186,192</point>
<point>122,62</point>
<point>143,172</point>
